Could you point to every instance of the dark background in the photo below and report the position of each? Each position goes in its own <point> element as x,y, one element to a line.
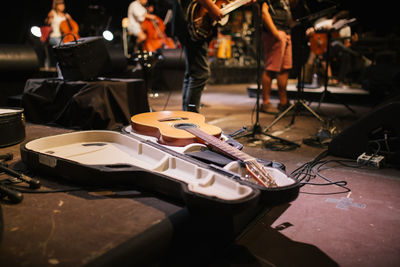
<point>381,17</point>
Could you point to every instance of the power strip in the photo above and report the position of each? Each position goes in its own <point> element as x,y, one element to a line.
<point>371,160</point>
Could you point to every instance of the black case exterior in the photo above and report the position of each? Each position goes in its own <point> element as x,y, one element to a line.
<point>125,174</point>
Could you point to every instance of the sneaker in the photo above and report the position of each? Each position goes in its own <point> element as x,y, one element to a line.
<point>269,108</point>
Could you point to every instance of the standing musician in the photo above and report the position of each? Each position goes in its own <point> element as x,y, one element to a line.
<point>277,43</point>
<point>197,69</point>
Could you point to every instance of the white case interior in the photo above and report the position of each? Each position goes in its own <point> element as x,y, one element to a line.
<point>99,147</point>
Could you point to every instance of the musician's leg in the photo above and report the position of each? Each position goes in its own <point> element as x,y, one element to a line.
<point>283,75</point>
<point>266,81</point>
<point>272,63</point>
<point>282,80</point>
<point>196,75</point>
<point>140,38</point>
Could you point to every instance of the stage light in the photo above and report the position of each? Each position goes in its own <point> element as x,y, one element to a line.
<point>35,30</point>
<point>108,35</point>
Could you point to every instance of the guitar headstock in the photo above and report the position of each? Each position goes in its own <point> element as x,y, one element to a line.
<point>260,173</point>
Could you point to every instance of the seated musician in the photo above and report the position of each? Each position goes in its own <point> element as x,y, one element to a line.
<point>137,13</point>
<point>342,56</point>
<point>55,18</point>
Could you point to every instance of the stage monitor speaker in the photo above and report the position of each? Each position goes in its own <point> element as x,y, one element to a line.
<point>377,131</point>
<point>83,59</point>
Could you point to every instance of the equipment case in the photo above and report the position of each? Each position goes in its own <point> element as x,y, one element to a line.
<point>102,157</point>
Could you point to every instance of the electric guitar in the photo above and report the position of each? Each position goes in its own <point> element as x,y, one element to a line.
<point>200,25</point>
<point>180,128</point>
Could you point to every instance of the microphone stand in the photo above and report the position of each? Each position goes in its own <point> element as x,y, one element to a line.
<point>299,104</point>
<point>257,127</point>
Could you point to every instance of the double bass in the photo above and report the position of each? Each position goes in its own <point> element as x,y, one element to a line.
<point>156,36</point>
<point>69,30</point>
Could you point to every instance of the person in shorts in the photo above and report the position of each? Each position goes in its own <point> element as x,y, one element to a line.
<point>277,45</point>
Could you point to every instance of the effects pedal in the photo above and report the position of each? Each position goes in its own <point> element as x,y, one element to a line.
<point>376,161</point>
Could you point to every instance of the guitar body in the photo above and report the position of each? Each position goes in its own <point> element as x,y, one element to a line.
<point>200,25</point>
<point>156,37</point>
<point>319,43</point>
<point>70,30</point>
<point>168,126</point>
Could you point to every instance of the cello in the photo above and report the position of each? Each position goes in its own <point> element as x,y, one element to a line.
<point>156,37</point>
<point>69,30</point>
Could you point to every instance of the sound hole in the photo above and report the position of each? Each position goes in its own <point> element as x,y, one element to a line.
<point>183,126</point>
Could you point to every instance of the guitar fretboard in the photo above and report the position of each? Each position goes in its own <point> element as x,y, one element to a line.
<point>232,6</point>
<point>220,145</point>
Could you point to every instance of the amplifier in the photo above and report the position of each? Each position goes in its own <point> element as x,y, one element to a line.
<point>83,59</point>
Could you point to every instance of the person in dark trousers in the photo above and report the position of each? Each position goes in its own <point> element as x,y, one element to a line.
<point>197,69</point>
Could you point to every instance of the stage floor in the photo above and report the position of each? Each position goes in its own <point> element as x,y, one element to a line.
<point>326,225</point>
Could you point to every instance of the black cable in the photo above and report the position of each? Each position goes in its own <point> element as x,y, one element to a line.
<point>311,170</point>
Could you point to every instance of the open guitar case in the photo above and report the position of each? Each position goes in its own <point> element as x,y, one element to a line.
<point>200,179</point>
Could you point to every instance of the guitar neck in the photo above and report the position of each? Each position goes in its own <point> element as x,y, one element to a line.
<point>220,145</point>
<point>232,6</point>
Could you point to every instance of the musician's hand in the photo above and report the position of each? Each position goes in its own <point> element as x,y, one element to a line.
<point>150,16</point>
<point>215,13</point>
<point>310,31</point>
<point>276,35</point>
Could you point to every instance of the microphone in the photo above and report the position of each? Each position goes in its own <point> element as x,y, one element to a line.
<point>7,156</point>
<point>13,195</point>
<point>33,183</point>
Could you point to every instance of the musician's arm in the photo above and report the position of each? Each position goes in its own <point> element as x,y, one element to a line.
<point>268,22</point>
<point>213,10</point>
<point>49,18</point>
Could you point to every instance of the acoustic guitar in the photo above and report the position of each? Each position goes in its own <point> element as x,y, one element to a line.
<point>319,43</point>
<point>180,128</point>
<point>200,25</point>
